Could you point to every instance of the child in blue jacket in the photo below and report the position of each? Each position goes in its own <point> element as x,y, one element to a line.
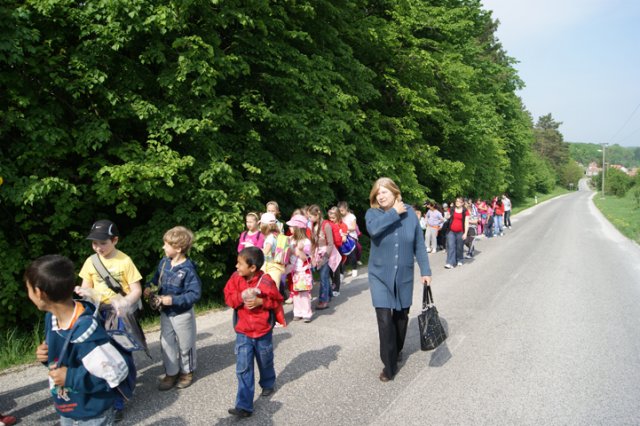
<point>82,377</point>
<point>179,288</point>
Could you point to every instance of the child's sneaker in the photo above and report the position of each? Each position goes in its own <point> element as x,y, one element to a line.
<point>185,380</point>
<point>167,382</point>
<point>354,273</point>
<point>447,266</point>
<point>239,412</point>
<point>7,420</point>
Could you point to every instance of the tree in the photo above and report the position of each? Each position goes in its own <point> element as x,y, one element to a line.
<point>549,143</point>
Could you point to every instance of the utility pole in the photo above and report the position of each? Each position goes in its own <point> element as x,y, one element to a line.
<point>603,167</point>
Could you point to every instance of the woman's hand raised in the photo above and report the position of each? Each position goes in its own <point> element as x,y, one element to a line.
<point>399,206</point>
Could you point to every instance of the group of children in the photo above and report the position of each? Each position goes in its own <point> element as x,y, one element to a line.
<point>454,226</point>
<point>84,347</point>
<point>271,263</point>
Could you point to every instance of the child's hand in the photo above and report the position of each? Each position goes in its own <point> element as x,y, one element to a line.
<point>42,352</point>
<point>253,303</point>
<point>58,375</point>
<point>166,300</point>
<point>88,293</point>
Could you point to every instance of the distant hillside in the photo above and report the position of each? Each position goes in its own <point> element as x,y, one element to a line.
<point>615,154</point>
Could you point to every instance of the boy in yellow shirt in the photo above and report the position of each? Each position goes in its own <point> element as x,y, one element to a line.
<point>115,281</point>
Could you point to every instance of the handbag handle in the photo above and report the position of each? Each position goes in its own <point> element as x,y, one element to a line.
<point>427,296</point>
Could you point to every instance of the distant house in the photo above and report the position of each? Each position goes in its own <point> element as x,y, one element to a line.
<point>593,169</point>
<point>620,167</point>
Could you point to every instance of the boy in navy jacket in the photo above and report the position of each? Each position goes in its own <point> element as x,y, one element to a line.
<point>179,288</point>
<point>82,378</point>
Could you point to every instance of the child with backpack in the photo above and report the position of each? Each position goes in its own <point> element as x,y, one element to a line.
<point>179,288</point>
<point>115,281</point>
<point>255,298</point>
<point>276,246</point>
<point>325,257</point>
<point>300,268</point>
<point>276,252</point>
<point>85,368</point>
<point>252,236</point>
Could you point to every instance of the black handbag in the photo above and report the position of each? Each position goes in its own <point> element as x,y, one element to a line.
<point>432,332</point>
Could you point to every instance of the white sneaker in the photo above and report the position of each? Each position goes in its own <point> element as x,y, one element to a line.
<point>459,264</point>
<point>467,256</point>
<point>336,293</point>
<point>447,266</point>
<point>354,273</point>
<point>359,263</point>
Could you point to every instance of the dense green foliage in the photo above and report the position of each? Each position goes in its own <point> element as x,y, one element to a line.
<point>585,153</point>
<point>616,182</point>
<point>157,113</point>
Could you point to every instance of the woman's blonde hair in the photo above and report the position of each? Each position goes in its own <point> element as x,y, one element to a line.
<point>179,237</point>
<point>382,182</point>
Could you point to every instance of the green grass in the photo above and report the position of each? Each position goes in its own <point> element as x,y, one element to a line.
<point>622,212</point>
<point>518,206</point>
<point>19,347</point>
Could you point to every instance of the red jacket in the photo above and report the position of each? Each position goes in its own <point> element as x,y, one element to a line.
<point>254,322</point>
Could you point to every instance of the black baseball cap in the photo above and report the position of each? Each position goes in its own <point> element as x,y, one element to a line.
<point>103,230</point>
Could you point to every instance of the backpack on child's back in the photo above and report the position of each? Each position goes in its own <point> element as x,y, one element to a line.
<point>282,252</point>
<point>120,340</point>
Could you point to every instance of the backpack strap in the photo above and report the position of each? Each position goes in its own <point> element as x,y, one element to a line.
<point>161,273</point>
<point>111,282</point>
<point>80,339</point>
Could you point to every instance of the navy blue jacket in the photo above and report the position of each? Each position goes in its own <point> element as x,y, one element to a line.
<point>395,241</point>
<point>92,364</point>
<point>181,282</point>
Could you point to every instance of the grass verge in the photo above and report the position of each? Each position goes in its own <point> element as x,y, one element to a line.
<point>520,205</point>
<point>622,212</point>
<point>19,347</point>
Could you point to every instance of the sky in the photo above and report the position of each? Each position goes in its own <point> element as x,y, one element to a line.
<point>580,62</point>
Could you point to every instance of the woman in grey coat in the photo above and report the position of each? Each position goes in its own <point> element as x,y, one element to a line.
<point>396,239</point>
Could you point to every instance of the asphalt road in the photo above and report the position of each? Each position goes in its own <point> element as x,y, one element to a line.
<point>544,328</point>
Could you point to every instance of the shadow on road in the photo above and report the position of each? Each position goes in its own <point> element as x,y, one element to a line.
<point>438,357</point>
<point>306,362</point>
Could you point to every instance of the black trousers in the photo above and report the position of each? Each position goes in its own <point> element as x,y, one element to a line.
<point>507,218</point>
<point>335,279</point>
<point>392,327</point>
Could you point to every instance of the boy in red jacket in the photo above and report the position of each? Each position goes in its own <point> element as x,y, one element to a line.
<point>255,298</point>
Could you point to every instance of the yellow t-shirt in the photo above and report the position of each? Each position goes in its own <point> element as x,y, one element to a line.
<point>120,267</point>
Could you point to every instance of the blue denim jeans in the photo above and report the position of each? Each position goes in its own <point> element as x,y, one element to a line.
<point>248,349</point>
<point>455,248</point>
<point>104,419</point>
<point>497,225</point>
<point>325,283</point>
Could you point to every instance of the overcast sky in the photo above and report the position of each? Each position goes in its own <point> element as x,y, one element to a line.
<point>580,61</point>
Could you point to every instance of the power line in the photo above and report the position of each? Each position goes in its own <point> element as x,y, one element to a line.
<point>624,139</point>
<point>625,123</point>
